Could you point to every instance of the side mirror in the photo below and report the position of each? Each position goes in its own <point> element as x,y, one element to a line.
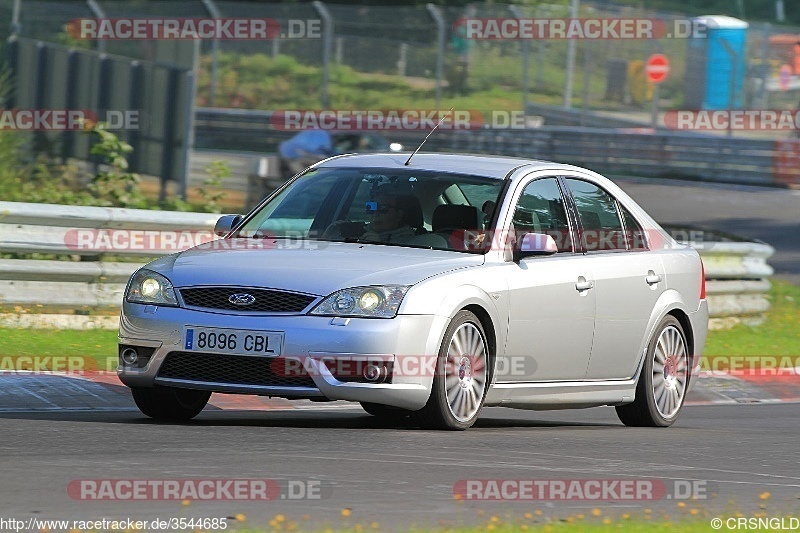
<point>225,224</point>
<point>534,244</point>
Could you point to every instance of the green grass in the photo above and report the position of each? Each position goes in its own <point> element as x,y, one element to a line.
<point>684,516</point>
<point>629,526</point>
<point>778,336</point>
<point>90,349</point>
<point>494,82</point>
<point>688,519</point>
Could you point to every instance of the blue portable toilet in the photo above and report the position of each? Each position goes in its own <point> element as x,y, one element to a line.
<point>716,63</point>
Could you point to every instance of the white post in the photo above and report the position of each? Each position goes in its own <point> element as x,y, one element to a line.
<point>573,13</point>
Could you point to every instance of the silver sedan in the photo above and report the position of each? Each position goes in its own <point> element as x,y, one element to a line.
<point>425,289</point>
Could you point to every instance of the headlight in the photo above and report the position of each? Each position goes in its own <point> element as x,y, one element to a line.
<point>375,302</point>
<point>148,287</point>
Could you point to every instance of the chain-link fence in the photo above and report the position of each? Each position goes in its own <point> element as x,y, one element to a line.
<point>354,56</point>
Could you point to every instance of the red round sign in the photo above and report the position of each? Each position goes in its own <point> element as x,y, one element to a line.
<point>657,68</point>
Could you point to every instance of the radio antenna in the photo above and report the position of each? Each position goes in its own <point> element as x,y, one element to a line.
<point>426,137</point>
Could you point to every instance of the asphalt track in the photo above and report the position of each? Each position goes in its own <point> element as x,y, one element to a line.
<point>399,477</point>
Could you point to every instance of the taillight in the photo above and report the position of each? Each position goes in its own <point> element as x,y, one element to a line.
<point>702,281</point>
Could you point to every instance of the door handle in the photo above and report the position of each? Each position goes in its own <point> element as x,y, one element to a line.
<point>652,278</point>
<point>583,285</point>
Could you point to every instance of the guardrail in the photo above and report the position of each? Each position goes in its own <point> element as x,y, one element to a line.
<point>613,151</point>
<point>558,116</point>
<point>107,245</point>
<point>97,237</point>
<point>737,282</point>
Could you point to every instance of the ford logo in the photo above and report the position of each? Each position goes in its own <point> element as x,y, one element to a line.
<point>241,298</point>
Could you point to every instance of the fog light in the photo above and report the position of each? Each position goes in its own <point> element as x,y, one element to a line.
<point>374,373</point>
<point>129,356</point>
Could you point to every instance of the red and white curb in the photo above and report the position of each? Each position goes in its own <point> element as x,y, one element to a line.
<point>746,387</point>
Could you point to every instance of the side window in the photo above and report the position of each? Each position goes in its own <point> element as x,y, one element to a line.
<point>601,224</point>
<point>540,209</point>
<point>633,230</point>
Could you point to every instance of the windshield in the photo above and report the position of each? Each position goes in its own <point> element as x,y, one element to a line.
<point>372,205</point>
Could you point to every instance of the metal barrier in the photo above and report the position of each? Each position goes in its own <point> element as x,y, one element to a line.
<point>631,152</point>
<point>558,116</point>
<point>157,95</point>
<point>100,237</point>
<point>736,282</point>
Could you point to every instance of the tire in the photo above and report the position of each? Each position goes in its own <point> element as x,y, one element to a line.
<point>462,376</point>
<point>661,389</point>
<point>168,403</point>
<point>385,412</point>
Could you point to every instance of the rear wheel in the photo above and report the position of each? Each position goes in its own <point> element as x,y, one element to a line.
<point>662,385</point>
<point>462,376</point>
<point>168,403</point>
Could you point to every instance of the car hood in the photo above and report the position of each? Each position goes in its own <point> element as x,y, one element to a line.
<point>312,267</point>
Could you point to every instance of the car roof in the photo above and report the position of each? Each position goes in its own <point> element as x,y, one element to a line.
<point>482,165</point>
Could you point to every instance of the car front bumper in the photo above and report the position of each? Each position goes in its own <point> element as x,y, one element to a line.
<point>409,343</point>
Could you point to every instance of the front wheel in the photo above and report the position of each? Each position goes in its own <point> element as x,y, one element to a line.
<point>462,376</point>
<point>169,403</point>
<point>662,385</point>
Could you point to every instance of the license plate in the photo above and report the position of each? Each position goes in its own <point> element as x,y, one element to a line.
<point>232,341</point>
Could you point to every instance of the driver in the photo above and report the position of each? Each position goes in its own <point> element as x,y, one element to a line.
<point>391,220</point>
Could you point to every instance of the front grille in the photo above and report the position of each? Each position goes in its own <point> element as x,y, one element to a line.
<point>235,370</point>
<point>266,300</point>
